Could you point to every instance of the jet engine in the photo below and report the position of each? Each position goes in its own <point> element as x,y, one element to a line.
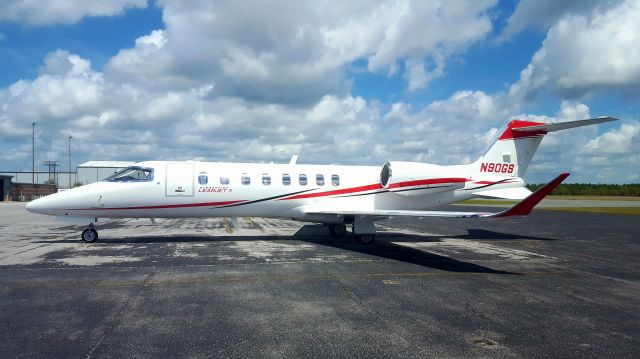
<point>415,178</point>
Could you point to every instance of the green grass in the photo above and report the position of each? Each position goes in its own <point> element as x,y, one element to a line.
<point>614,210</point>
<point>568,198</point>
<point>597,198</point>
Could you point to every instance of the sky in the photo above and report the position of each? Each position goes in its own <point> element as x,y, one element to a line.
<point>357,82</point>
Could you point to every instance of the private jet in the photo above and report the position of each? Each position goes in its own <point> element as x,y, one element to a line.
<point>334,195</point>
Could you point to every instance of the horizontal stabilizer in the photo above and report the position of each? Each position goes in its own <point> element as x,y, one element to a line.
<point>525,206</point>
<point>505,193</point>
<point>550,127</point>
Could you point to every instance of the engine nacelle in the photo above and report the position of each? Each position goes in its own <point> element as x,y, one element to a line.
<point>415,178</point>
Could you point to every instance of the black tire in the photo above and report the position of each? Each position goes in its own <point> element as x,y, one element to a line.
<point>89,235</point>
<point>364,238</point>
<point>337,230</point>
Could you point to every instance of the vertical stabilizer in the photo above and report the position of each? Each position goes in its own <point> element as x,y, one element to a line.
<point>511,154</point>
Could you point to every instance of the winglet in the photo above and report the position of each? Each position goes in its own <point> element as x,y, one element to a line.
<point>525,206</point>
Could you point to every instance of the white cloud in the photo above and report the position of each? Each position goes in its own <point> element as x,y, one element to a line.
<point>44,12</point>
<point>570,111</point>
<point>238,46</point>
<point>63,63</point>
<point>448,131</point>
<point>625,139</point>
<point>542,14</point>
<point>66,87</point>
<point>583,54</point>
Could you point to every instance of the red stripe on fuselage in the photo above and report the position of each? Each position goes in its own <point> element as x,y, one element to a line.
<point>184,205</point>
<point>377,186</point>
<point>370,187</point>
<point>427,182</point>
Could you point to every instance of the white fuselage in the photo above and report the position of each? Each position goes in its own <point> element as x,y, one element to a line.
<point>207,189</point>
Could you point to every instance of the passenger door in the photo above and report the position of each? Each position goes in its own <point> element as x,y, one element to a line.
<point>179,181</point>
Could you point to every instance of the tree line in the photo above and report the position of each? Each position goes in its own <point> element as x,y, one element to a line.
<point>590,189</point>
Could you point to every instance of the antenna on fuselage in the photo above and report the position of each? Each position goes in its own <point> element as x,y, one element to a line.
<point>293,160</point>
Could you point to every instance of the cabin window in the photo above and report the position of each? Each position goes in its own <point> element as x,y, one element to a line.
<point>132,174</point>
<point>245,179</point>
<point>302,179</point>
<point>266,179</point>
<point>320,180</point>
<point>224,180</point>
<point>203,179</point>
<point>286,179</point>
<point>335,180</point>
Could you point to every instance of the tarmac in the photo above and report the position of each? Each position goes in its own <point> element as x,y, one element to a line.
<point>553,284</point>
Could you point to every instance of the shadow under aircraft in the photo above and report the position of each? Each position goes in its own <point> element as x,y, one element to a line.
<point>386,246</point>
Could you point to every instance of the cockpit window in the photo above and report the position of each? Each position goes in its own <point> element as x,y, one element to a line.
<point>132,174</point>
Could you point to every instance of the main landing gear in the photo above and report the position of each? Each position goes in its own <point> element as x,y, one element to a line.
<point>90,234</point>
<point>363,231</point>
<point>338,230</point>
<point>364,238</point>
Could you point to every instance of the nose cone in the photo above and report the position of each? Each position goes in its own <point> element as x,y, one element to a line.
<point>37,206</point>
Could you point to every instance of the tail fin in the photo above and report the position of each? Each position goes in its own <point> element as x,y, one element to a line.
<point>511,154</point>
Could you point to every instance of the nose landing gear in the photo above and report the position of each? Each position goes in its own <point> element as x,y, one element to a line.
<point>90,234</point>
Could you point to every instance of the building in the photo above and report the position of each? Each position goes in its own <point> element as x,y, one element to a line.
<point>10,191</point>
<point>24,190</point>
<point>30,191</point>
<point>5,187</point>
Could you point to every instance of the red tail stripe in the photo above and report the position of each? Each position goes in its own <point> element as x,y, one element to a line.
<point>508,134</point>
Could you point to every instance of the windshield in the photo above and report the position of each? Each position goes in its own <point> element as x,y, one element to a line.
<point>132,174</point>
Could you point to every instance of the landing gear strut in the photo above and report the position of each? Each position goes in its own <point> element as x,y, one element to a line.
<point>364,231</point>
<point>90,234</point>
<point>338,230</point>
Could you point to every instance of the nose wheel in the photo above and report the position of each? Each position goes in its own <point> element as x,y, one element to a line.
<point>90,234</point>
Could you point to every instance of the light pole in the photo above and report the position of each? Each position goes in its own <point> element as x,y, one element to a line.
<point>33,152</point>
<point>70,137</point>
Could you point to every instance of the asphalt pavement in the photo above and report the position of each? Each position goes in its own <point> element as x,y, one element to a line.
<point>554,284</point>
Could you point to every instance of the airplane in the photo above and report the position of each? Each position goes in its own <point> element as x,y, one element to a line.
<point>333,195</point>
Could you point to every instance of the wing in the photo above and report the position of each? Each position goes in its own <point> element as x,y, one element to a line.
<point>521,208</point>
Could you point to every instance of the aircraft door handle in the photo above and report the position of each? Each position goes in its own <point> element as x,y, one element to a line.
<point>179,190</point>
